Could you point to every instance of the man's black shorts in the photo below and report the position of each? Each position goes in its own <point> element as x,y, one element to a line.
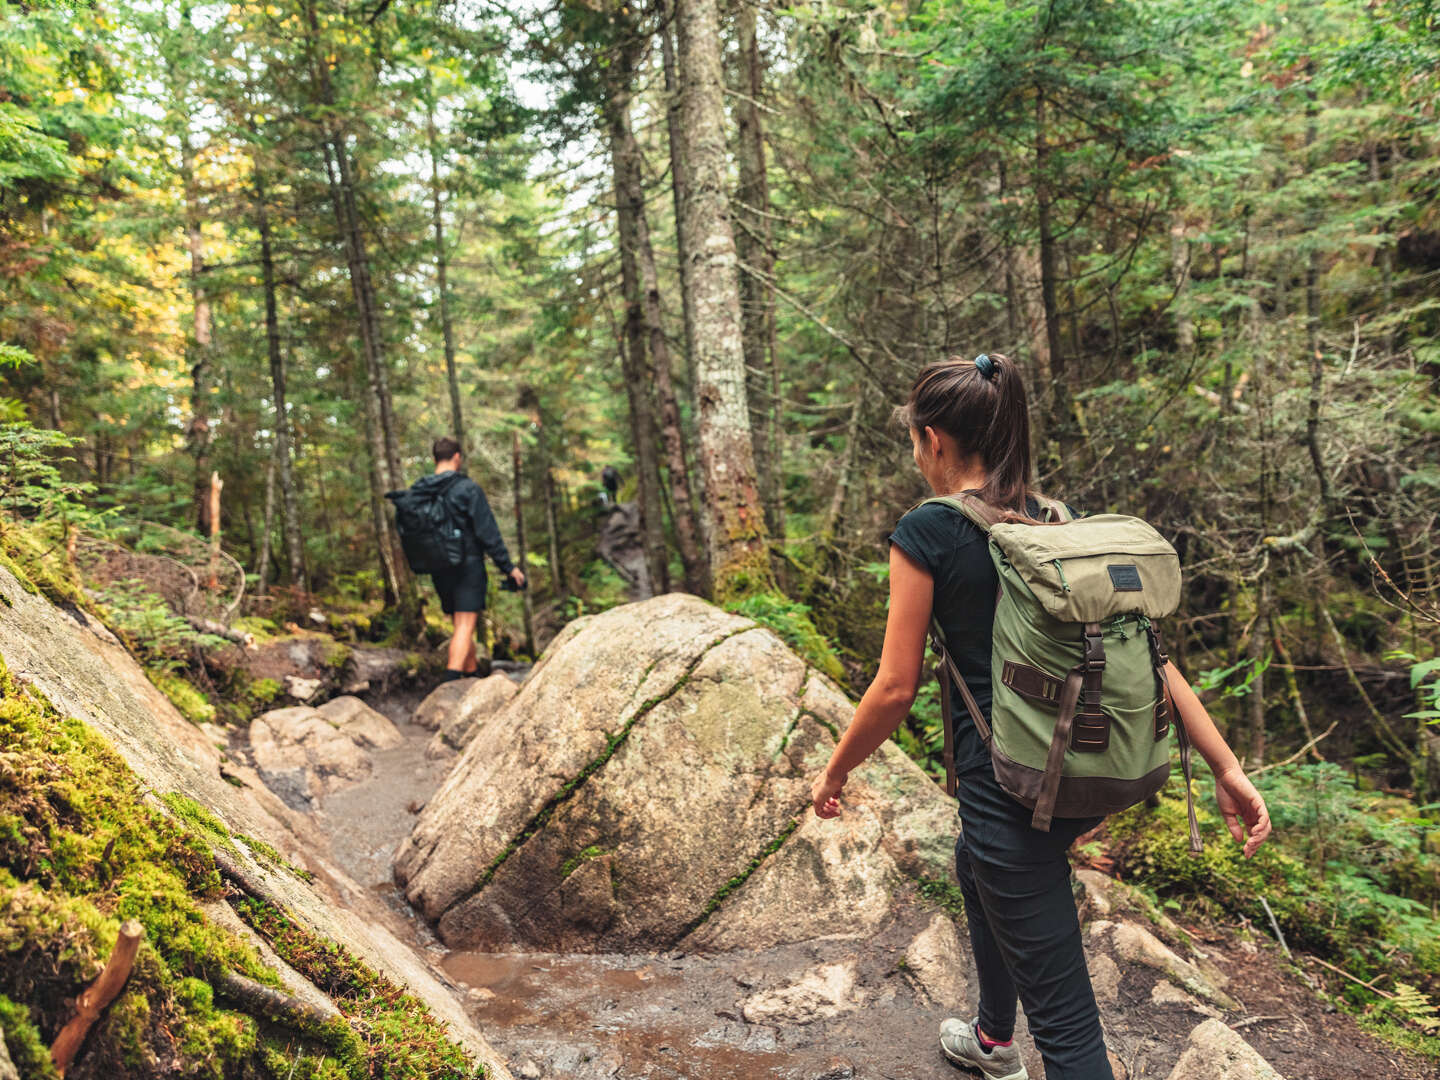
<point>461,588</point>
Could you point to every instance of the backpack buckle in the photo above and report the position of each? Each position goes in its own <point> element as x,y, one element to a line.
<point>1094,648</point>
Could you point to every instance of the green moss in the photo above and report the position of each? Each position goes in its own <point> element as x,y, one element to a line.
<point>402,1040</point>
<point>336,655</point>
<point>792,622</point>
<point>265,691</point>
<point>269,854</point>
<point>27,1050</point>
<point>31,555</point>
<point>718,898</point>
<point>573,863</point>
<point>81,851</point>
<point>261,629</point>
<point>183,694</point>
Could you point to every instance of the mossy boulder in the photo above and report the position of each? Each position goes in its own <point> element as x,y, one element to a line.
<point>674,743</point>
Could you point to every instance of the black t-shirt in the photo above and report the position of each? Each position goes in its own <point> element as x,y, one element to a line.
<point>955,552</point>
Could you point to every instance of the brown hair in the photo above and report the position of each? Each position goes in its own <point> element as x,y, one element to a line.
<point>445,448</point>
<point>981,405</point>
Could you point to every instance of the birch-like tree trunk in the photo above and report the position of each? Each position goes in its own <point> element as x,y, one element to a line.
<point>754,245</point>
<point>739,553</point>
<point>639,374</point>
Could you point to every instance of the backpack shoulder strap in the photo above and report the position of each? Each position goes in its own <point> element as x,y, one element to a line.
<point>981,513</point>
<point>1053,509</point>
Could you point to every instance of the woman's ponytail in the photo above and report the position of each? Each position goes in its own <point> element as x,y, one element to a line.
<point>980,404</point>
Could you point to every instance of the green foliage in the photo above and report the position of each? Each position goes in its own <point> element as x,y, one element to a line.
<point>1346,872</point>
<point>164,640</point>
<point>791,620</point>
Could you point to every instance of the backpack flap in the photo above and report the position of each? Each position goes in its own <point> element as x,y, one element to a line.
<point>1094,568</point>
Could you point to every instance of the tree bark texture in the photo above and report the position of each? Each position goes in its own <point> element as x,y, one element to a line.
<point>678,171</point>
<point>639,377</point>
<point>1060,420</point>
<point>294,543</point>
<point>383,443</point>
<point>520,549</point>
<point>198,434</point>
<point>457,418</point>
<point>739,554</point>
<point>755,247</point>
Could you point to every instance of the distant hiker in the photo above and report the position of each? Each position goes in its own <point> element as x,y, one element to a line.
<point>447,528</point>
<point>610,479</point>
<point>1050,736</point>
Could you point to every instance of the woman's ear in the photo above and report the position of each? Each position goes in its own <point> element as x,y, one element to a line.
<point>932,441</point>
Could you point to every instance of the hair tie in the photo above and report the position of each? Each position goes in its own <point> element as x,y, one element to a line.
<point>985,365</point>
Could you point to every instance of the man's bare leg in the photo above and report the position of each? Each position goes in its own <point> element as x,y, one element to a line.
<point>462,644</point>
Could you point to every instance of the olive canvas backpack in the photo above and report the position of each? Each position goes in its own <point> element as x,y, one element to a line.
<point>1081,709</point>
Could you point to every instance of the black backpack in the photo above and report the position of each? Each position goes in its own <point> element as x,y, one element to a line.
<point>429,532</point>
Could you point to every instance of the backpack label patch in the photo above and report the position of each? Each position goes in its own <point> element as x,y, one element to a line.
<point>1125,577</point>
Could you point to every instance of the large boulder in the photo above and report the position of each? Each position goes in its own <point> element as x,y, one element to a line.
<point>353,718</point>
<point>481,699</point>
<point>649,784</point>
<point>301,755</point>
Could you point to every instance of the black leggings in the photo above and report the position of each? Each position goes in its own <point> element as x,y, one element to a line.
<point>1024,931</point>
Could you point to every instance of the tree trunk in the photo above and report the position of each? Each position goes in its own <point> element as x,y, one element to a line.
<point>262,569</point>
<point>384,447</point>
<point>198,434</point>
<point>1257,653</point>
<point>739,554</point>
<point>629,212</point>
<point>754,244</point>
<point>294,544</point>
<point>840,492</point>
<point>520,560</point>
<point>676,140</point>
<point>1312,329</point>
<point>457,419</point>
<point>1060,420</point>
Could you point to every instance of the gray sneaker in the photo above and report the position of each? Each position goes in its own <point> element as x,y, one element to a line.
<point>962,1046</point>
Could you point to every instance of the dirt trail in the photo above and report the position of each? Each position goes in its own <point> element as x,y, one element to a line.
<point>678,1016</point>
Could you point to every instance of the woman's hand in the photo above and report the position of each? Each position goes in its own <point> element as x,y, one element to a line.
<point>1239,801</point>
<point>825,795</point>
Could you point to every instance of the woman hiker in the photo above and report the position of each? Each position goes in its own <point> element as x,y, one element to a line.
<point>970,428</point>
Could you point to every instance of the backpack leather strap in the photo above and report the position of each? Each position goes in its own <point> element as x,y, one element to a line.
<point>1197,845</point>
<point>946,673</point>
<point>1082,688</point>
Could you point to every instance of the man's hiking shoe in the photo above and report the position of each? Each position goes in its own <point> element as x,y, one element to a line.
<point>961,1045</point>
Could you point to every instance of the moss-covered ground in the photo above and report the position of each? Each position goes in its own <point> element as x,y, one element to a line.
<point>81,849</point>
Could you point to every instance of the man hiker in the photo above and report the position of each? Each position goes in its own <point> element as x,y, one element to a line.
<point>447,528</point>
<point>610,478</point>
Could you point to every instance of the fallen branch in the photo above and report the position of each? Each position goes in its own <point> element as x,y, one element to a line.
<point>98,995</point>
<point>1298,753</point>
<point>250,884</point>
<point>1275,925</point>
<point>1352,978</point>
<point>275,1004</point>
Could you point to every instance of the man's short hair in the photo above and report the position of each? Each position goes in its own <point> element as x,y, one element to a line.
<point>445,448</point>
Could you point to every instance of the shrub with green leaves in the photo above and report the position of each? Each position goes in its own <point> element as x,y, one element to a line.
<point>1347,872</point>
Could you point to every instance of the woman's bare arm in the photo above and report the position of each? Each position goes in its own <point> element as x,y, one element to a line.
<point>887,702</point>
<point>1238,799</point>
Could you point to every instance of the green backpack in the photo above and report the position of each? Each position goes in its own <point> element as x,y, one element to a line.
<point>1081,706</point>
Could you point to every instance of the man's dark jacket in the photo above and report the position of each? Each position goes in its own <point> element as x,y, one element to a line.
<point>472,512</point>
